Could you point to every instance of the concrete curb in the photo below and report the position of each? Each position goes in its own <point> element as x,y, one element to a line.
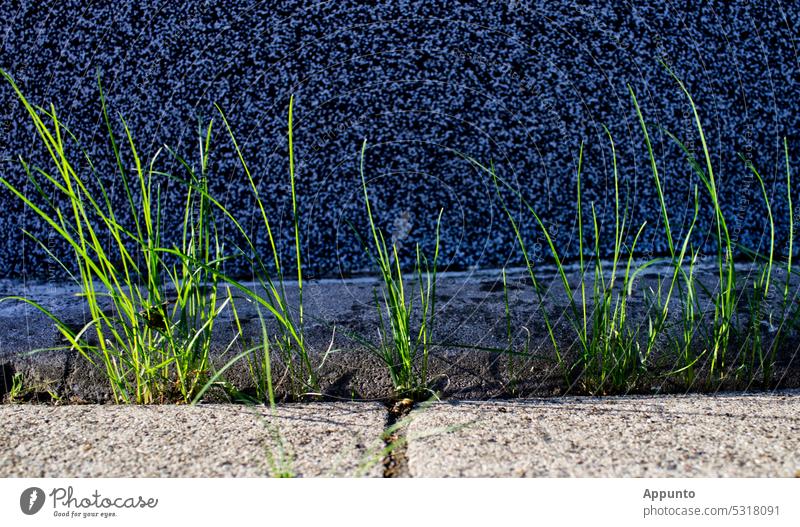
<point>470,320</point>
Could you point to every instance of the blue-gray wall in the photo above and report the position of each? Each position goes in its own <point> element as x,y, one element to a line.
<point>519,82</point>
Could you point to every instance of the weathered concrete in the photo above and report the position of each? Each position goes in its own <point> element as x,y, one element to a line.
<point>468,361</point>
<point>681,436</point>
<point>184,441</point>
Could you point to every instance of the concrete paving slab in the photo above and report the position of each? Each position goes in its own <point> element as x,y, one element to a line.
<point>681,436</point>
<point>329,439</point>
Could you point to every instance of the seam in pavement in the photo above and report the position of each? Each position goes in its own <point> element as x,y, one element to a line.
<point>395,459</point>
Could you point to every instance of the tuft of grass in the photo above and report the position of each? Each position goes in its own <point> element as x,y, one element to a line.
<point>22,391</point>
<point>611,358</point>
<point>17,390</point>
<point>759,355</point>
<point>681,285</point>
<point>151,307</point>
<point>724,296</point>
<point>289,337</point>
<point>608,355</point>
<point>755,357</point>
<point>612,351</point>
<point>405,346</point>
<point>259,366</point>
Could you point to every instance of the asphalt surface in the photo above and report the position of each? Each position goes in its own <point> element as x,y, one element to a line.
<point>729,435</point>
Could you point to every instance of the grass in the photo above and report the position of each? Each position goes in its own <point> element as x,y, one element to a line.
<point>22,390</point>
<point>724,297</point>
<point>681,284</point>
<point>607,348</point>
<point>17,390</point>
<point>151,307</point>
<point>289,337</point>
<point>613,353</point>
<point>153,302</point>
<point>722,329</point>
<point>759,354</point>
<point>404,346</point>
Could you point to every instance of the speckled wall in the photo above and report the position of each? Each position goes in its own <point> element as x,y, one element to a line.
<point>518,82</point>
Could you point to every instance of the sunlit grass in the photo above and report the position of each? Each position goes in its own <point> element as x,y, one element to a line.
<point>289,341</point>
<point>153,304</point>
<point>152,307</point>
<point>613,351</point>
<point>406,344</point>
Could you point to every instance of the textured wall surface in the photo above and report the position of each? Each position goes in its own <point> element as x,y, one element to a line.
<point>519,82</point>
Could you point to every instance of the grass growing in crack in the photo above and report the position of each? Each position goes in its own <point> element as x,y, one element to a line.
<point>609,358</point>
<point>755,357</point>
<point>259,366</point>
<point>682,284</point>
<point>21,390</point>
<point>760,356</point>
<point>151,307</point>
<point>707,335</point>
<point>17,390</point>
<point>289,338</point>
<point>279,459</point>
<point>724,296</point>
<point>404,348</point>
<point>612,355</point>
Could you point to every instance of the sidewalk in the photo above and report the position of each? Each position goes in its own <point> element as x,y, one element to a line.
<point>697,435</point>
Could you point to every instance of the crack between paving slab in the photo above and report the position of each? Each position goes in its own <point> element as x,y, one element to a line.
<point>395,461</point>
